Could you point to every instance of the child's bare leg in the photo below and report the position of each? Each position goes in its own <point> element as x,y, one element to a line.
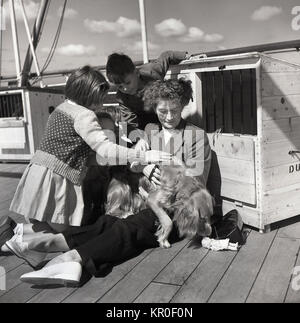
<point>36,227</point>
<point>47,242</point>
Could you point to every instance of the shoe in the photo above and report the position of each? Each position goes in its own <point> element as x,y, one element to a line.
<point>21,250</point>
<point>19,229</point>
<point>67,274</point>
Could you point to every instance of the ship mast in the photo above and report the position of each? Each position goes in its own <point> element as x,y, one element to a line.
<point>144,31</point>
<point>36,34</point>
<point>14,32</point>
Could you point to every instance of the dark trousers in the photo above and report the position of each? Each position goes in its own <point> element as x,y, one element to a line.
<point>112,240</point>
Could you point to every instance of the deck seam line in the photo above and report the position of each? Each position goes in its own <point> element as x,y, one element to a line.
<point>161,270</point>
<point>112,286</point>
<point>291,276</point>
<point>8,291</point>
<point>263,262</point>
<point>28,300</point>
<point>164,283</point>
<point>207,253</point>
<point>248,234</point>
<point>125,275</point>
<point>224,273</point>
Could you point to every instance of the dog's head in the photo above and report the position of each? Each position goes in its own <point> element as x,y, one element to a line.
<point>193,216</point>
<point>171,176</point>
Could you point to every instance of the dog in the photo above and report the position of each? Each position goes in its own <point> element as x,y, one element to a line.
<point>182,197</point>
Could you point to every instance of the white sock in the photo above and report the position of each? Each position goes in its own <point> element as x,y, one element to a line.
<point>19,229</point>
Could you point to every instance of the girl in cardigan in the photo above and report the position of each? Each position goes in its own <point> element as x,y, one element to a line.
<point>50,189</point>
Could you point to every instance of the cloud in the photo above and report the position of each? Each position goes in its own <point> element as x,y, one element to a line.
<point>197,35</point>
<point>171,27</point>
<point>31,9</point>
<point>123,27</point>
<point>75,50</point>
<point>265,13</point>
<point>194,34</point>
<point>69,13</point>
<point>213,38</point>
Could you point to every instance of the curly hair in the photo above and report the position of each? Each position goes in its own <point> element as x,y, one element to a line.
<point>173,90</point>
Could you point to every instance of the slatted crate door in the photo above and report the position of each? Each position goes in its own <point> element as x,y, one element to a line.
<point>229,101</point>
<point>11,106</point>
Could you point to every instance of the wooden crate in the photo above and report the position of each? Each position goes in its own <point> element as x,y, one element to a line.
<point>249,105</point>
<point>23,117</point>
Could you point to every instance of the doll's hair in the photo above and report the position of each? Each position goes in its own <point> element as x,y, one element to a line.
<point>172,90</point>
<point>122,201</point>
<point>86,86</point>
<point>118,67</point>
<point>109,112</point>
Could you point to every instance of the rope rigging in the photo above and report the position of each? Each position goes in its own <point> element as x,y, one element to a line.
<point>54,43</point>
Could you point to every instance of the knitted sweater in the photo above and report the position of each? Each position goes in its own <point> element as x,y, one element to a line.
<point>72,132</point>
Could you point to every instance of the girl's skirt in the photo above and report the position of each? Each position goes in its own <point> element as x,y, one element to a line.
<point>45,196</point>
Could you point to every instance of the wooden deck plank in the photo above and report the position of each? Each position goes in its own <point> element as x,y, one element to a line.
<point>157,293</point>
<point>9,181</point>
<point>10,262</point>
<point>11,295</point>
<point>4,206</point>
<point>204,280</point>
<point>142,275</point>
<point>12,167</point>
<point>290,229</point>
<point>8,194</point>
<point>20,294</point>
<point>181,267</point>
<point>240,276</point>
<point>272,282</point>
<point>51,295</point>
<point>97,287</point>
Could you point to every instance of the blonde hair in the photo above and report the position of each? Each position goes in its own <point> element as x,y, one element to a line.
<point>121,201</point>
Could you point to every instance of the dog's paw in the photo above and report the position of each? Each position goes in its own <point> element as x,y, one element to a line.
<point>164,244</point>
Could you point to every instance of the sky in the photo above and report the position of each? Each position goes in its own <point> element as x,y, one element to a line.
<point>93,29</point>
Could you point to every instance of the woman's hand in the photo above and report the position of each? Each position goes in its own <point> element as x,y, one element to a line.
<point>153,173</point>
<point>156,157</point>
<point>142,145</point>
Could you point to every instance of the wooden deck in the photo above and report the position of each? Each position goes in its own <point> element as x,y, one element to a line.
<point>260,272</point>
